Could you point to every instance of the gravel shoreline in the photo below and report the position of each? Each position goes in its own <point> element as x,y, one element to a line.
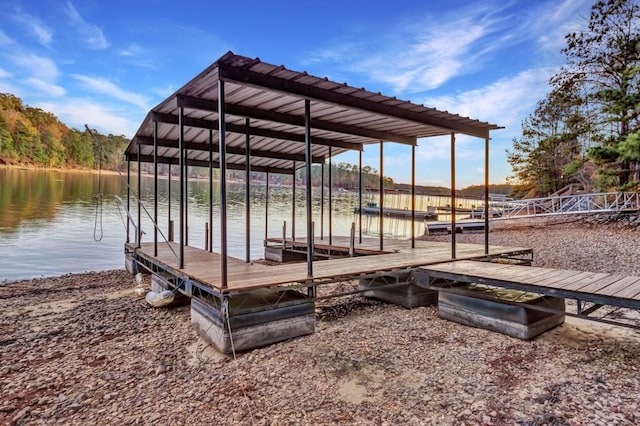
<point>83,349</point>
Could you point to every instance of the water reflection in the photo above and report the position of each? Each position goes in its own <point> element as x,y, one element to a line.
<point>48,219</point>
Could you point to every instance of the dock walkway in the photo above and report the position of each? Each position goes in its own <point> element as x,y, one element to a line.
<point>599,289</point>
<point>202,268</point>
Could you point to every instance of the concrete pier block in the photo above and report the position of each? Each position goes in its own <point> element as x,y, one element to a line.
<point>409,295</point>
<point>496,315</point>
<point>256,319</point>
<point>130,264</point>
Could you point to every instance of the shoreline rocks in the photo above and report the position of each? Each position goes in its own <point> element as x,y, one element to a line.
<point>83,349</point>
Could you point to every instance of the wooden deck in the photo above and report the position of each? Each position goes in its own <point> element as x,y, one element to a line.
<point>204,267</point>
<point>596,287</point>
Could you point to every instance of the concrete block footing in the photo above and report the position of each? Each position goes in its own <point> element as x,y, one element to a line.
<point>130,264</point>
<point>256,319</point>
<point>513,320</point>
<point>409,295</point>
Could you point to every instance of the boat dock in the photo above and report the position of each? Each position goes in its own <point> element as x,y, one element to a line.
<point>201,269</point>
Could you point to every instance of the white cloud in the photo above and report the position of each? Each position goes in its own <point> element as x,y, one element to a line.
<point>504,102</point>
<point>37,66</point>
<point>46,88</point>
<point>42,32</point>
<point>78,112</point>
<point>5,73</point>
<point>4,39</point>
<point>91,35</point>
<point>105,87</point>
<point>137,55</point>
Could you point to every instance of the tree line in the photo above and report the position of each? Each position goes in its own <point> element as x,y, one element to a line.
<point>32,136</point>
<point>586,131</point>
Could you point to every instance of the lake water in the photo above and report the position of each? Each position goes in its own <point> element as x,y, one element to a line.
<point>49,223</point>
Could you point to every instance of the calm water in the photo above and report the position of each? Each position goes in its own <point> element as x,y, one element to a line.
<point>49,225</point>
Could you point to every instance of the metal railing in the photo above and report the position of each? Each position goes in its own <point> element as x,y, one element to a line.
<point>606,202</point>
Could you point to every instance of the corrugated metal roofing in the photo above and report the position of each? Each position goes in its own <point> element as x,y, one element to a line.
<point>272,99</point>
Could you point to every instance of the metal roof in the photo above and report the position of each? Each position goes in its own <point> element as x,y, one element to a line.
<point>270,99</point>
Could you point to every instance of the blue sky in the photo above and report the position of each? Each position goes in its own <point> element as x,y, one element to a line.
<point>106,63</point>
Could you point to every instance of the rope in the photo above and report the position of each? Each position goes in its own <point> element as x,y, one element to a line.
<point>136,195</point>
<point>225,312</point>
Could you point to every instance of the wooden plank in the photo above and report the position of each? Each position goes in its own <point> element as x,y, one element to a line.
<point>578,285</point>
<point>598,286</point>
<point>629,292</point>
<point>614,289</point>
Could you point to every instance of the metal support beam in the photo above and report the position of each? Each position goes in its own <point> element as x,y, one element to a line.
<point>486,196</point>
<point>186,196</point>
<point>223,184</point>
<point>128,197</point>
<point>239,128</point>
<point>247,195</point>
<point>360,197</point>
<point>381,195</point>
<point>293,204</point>
<point>307,132</point>
<point>413,196</point>
<point>211,192</point>
<point>139,227</point>
<point>155,189</point>
<point>278,117</point>
<point>182,178</point>
<point>322,201</point>
<point>330,199</point>
<point>169,223</point>
<point>266,209</point>
<point>453,195</point>
<point>197,146</point>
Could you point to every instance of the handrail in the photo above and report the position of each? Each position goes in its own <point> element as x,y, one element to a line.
<point>566,204</point>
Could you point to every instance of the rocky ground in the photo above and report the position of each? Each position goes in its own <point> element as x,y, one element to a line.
<point>82,349</point>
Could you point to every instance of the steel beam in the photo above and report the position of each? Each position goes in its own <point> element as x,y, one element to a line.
<point>210,192</point>
<point>413,196</point>
<point>238,128</point>
<point>223,185</point>
<point>307,132</point>
<point>155,189</point>
<point>381,195</point>
<point>453,195</point>
<point>247,196</point>
<point>182,178</point>
<point>294,120</point>
<point>360,197</point>
<point>486,196</point>
<point>197,146</point>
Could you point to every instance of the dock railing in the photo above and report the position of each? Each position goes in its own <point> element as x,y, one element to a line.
<point>605,202</point>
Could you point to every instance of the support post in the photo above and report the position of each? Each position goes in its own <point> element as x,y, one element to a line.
<point>453,195</point>
<point>169,221</point>
<point>307,139</point>
<point>210,230</point>
<point>293,205</point>
<point>182,178</point>
<point>381,195</point>
<point>486,196</point>
<point>128,196</point>
<point>139,227</point>
<point>155,188</point>
<point>322,201</point>
<point>266,210</point>
<point>413,196</point>
<point>223,183</point>
<point>186,196</point>
<point>330,201</point>
<point>360,196</point>
<point>352,240</point>
<point>247,195</point>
